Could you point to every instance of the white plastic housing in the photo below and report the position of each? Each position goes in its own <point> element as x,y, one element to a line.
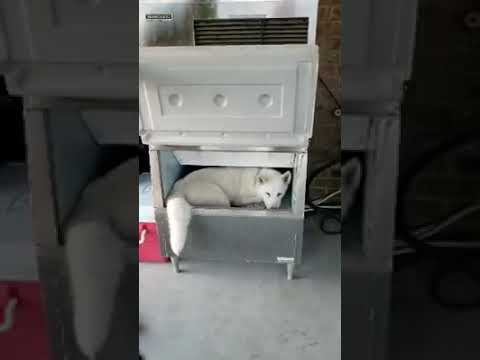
<point>235,95</point>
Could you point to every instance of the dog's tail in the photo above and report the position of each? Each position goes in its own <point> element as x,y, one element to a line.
<point>96,259</point>
<point>179,213</point>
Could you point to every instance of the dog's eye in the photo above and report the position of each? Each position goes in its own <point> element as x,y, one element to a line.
<point>268,194</point>
<point>279,194</point>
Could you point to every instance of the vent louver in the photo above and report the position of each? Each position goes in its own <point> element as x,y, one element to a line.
<point>251,31</point>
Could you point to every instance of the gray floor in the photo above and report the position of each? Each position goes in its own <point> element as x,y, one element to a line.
<point>224,311</point>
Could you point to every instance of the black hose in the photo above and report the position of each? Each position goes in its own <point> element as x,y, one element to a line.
<point>448,260</point>
<point>327,214</point>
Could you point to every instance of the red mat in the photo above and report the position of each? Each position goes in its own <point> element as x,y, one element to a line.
<point>149,245</point>
<point>28,338</point>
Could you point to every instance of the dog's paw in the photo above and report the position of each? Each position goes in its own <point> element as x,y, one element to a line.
<point>258,206</point>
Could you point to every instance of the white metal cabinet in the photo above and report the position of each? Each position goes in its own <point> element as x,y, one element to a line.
<point>245,106</point>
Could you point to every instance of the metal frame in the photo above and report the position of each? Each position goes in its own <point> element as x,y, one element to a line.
<point>283,245</point>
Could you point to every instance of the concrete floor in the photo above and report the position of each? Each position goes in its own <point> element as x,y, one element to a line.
<point>222,311</point>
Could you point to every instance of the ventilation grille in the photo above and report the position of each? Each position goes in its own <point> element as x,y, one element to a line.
<point>251,31</point>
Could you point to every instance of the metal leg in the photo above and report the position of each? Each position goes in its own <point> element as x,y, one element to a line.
<point>176,264</point>
<point>290,270</point>
<point>290,262</point>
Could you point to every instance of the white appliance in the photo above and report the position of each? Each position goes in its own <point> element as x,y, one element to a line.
<point>230,83</point>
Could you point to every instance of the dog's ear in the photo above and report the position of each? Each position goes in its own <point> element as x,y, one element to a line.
<point>262,177</point>
<point>287,177</point>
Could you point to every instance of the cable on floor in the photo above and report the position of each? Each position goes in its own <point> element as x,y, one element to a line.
<point>452,258</point>
<point>316,205</point>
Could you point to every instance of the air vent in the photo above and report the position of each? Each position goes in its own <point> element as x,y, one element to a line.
<point>251,31</point>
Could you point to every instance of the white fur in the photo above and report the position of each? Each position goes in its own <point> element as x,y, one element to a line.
<point>97,251</point>
<point>96,260</point>
<point>179,213</point>
<point>351,179</point>
<point>221,187</point>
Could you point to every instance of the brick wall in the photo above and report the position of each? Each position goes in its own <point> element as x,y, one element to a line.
<point>326,137</point>
<point>442,101</point>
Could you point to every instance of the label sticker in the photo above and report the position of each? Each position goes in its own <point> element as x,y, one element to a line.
<point>159,17</point>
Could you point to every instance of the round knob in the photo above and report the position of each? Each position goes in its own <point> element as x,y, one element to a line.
<point>265,100</point>
<point>220,100</point>
<point>175,100</point>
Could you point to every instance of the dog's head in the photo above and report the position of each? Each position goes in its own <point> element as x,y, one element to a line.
<point>272,186</point>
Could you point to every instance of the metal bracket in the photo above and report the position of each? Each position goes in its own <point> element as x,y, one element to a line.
<point>176,264</point>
